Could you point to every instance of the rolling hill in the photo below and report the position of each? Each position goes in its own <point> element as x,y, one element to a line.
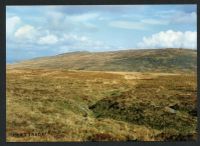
<point>130,95</point>
<point>145,60</point>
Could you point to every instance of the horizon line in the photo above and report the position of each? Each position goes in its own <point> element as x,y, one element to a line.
<point>136,49</point>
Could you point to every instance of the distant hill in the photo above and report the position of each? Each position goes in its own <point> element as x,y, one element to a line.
<point>156,60</point>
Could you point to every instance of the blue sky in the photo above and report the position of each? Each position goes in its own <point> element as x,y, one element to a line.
<point>35,31</point>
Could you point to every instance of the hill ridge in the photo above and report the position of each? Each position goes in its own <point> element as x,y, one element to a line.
<point>142,60</point>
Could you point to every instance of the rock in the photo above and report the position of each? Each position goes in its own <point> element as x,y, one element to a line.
<point>170,110</point>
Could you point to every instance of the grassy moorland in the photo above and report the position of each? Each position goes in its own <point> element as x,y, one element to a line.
<point>80,105</point>
<point>151,60</point>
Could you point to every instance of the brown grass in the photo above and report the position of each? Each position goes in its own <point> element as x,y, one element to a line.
<point>57,103</point>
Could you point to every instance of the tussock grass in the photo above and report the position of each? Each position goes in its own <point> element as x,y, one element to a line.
<point>100,106</point>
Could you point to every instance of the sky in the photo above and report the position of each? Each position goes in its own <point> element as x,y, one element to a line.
<point>36,31</point>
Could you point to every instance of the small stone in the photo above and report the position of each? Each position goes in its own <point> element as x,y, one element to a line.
<point>170,110</point>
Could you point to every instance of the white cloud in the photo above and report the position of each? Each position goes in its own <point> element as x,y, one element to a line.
<point>163,18</point>
<point>11,24</point>
<point>26,32</point>
<point>74,42</point>
<point>83,17</point>
<point>63,22</point>
<point>138,25</point>
<point>170,39</point>
<point>184,18</point>
<point>54,18</point>
<point>154,21</point>
<point>74,38</point>
<point>177,17</point>
<point>127,25</point>
<point>48,40</point>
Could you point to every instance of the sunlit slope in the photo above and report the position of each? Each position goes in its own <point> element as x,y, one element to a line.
<point>157,60</point>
